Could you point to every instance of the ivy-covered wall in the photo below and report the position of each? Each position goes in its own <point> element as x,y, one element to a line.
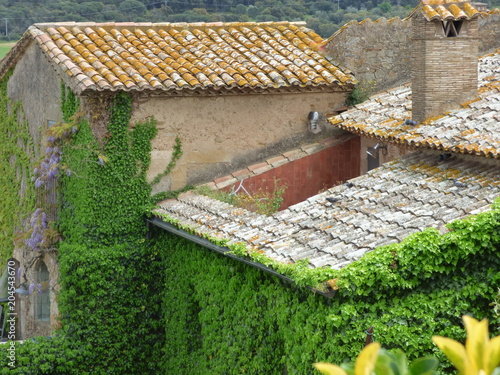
<point>16,153</point>
<point>135,301</point>
<point>223,317</point>
<point>110,278</point>
<point>109,273</point>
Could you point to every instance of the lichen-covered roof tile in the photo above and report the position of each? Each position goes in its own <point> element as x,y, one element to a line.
<point>444,10</point>
<point>371,213</point>
<point>473,129</point>
<point>200,56</point>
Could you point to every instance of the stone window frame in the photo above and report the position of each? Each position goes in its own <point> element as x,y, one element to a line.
<point>42,298</point>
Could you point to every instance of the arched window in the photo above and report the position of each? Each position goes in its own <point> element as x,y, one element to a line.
<point>42,306</point>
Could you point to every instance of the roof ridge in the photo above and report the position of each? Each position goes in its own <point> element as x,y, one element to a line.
<point>169,25</point>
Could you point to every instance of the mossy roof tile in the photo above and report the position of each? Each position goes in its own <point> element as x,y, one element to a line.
<point>145,56</point>
<point>446,10</point>
<point>383,206</point>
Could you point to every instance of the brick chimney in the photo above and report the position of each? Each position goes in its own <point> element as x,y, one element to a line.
<point>444,56</point>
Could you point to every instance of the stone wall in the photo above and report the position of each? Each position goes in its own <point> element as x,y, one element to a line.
<point>35,84</point>
<point>379,52</point>
<point>29,325</point>
<point>489,32</point>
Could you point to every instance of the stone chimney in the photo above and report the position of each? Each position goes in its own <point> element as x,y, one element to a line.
<point>444,56</point>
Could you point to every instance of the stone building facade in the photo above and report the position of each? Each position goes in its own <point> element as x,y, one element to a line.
<point>247,98</point>
<point>378,52</point>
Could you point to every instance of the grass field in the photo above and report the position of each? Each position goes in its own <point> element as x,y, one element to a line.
<point>5,47</point>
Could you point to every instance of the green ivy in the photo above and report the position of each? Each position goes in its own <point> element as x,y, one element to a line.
<point>16,153</point>
<point>139,302</point>
<point>110,272</point>
<point>224,317</point>
<point>109,298</point>
<point>173,161</point>
<point>109,195</point>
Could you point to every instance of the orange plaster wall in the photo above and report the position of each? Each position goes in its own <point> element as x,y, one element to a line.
<point>311,174</point>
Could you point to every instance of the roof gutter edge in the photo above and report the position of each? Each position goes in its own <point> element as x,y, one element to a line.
<point>225,251</point>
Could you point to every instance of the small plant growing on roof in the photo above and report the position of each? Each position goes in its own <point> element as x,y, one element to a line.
<point>361,92</point>
<point>262,200</point>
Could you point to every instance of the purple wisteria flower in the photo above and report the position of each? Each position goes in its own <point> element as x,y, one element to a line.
<point>39,182</point>
<point>39,224</point>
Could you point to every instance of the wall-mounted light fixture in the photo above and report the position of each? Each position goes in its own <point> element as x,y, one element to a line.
<point>380,146</point>
<point>313,119</point>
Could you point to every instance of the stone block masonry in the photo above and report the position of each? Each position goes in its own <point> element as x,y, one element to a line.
<point>379,52</point>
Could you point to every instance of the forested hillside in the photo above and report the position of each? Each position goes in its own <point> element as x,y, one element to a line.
<point>324,16</point>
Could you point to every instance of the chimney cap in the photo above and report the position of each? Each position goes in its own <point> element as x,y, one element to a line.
<point>446,10</point>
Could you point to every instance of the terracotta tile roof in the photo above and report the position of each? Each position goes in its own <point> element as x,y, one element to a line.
<point>446,10</point>
<point>472,129</point>
<point>379,208</point>
<point>175,57</point>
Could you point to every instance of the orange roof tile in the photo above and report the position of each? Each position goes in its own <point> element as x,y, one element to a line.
<point>446,10</point>
<point>200,56</point>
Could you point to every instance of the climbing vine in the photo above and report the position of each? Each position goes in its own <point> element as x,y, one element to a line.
<point>173,161</point>
<point>16,153</point>
<point>135,301</point>
<point>109,270</point>
<point>231,318</point>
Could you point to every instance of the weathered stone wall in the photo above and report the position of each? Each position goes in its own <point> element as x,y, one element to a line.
<point>379,52</point>
<point>224,133</point>
<point>489,32</point>
<point>35,84</point>
<point>29,326</point>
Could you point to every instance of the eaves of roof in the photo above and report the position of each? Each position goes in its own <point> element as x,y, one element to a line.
<point>173,58</point>
<point>473,128</point>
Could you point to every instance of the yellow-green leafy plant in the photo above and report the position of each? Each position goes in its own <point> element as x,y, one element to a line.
<point>375,360</point>
<point>365,363</point>
<point>479,355</point>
